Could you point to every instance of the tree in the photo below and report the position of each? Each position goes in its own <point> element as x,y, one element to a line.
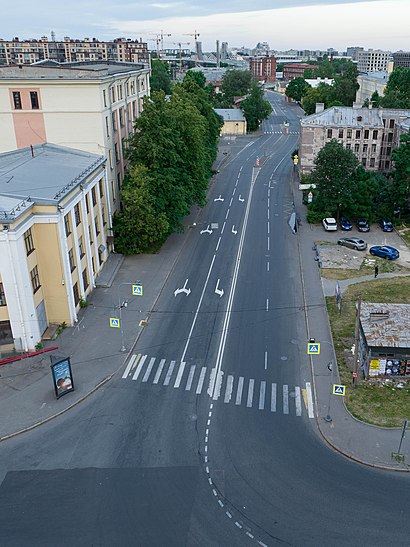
<point>297,88</point>
<point>235,83</point>
<point>397,92</point>
<point>196,75</point>
<point>255,107</point>
<point>160,78</point>
<point>401,175</point>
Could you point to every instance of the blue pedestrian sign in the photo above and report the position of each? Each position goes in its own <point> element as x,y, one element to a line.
<point>137,290</point>
<point>313,348</point>
<point>339,390</point>
<point>114,322</point>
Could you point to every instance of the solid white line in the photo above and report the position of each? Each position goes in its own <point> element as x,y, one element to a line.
<point>169,373</point>
<point>131,362</point>
<point>179,375</point>
<point>266,360</point>
<point>311,414</point>
<point>201,381</point>
<point>139,367</point>
<point>219,241</point>
<point>250,393</point>
<point>273,399</point>
<point>285,399</point>
<point>298,401</point>
<point>239,391</point>
<point>149,368</point>
<point>262,395</point>
<point>190,378</point>
<point>159,370</point>
<point>229,388</point>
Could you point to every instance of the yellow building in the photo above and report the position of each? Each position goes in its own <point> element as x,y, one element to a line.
<point>234,121</point>
<point>53,238</point>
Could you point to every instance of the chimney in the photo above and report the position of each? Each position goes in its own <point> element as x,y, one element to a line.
<point>319,107</point>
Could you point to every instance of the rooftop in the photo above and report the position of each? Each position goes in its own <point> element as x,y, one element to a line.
<point>347,116</point>
<point>231,114</point>
<point>386,325</point>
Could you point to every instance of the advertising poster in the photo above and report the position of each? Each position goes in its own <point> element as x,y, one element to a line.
<point>62,377</point>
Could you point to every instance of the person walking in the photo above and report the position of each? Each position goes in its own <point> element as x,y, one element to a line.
<point>376,271</point>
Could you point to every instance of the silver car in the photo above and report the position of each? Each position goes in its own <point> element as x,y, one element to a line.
<point>353,243</point>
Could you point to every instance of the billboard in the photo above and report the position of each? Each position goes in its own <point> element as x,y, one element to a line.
<point>62,377</point>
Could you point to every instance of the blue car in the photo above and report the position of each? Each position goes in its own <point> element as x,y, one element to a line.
<point>386,225</point>
<point>384,251</point>
<point>345,224</point>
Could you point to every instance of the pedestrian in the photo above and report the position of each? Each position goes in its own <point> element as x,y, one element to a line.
<point>376,270</point>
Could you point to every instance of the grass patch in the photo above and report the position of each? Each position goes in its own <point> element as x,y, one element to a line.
<point>366,268</point>
<point>404,231</point>
<point>379,405</point>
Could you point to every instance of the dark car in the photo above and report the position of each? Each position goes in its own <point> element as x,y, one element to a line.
<point>353,243</point>
<point>345,224</point>
<point>362,225</point>
<point>386,225</point>
<point>384,251</point>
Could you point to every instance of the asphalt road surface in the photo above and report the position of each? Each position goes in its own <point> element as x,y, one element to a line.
<point>207,437</point>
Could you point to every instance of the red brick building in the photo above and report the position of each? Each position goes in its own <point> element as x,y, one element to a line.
<point>263,68</point>
<point>295,70</point>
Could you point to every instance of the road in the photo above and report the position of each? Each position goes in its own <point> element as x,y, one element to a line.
<point>207,438</point>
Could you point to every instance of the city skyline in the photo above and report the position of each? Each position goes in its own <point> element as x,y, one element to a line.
<point>298,24</point>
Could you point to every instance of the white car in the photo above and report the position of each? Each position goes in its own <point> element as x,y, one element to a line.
<point>329,224</point>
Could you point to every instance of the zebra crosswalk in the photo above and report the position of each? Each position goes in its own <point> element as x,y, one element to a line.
<point>280,133</point>
<point>250,393</point>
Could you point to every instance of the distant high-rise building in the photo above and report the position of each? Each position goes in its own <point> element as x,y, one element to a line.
<point>402,58</point>
<point>224,51</point>
<point>263,68</point>
<point>373,60</point>
<point>353,52</point>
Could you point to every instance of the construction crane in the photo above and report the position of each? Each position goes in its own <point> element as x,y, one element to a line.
<point>160,39</point>
<point>180,44</point>
<point>195,33</point>
<point>157,41</point>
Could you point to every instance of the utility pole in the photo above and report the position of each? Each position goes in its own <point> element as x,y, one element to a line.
<point>356,340</point>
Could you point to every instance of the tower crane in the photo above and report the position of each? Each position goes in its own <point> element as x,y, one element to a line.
<point>195,33</point>
<point>180,44</point>
<point>160,38</point>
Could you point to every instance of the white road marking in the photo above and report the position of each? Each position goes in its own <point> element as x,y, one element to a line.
<point>139,367</point>
<point>169,373</point>
<point>201,381</point>
<point>273,398</point>
<point>311,413</point>
<point>298,402</point>
<point>131,362</point>
<point>268,228</point>
<point>223,227</point>
<point>159,370</point>
<point>179,375</point>
<point>239,391</point>
<point>227,214</point>
<point>230,203</point>
<point>218,385</point>
<point>234,190</point>
<point>285,399</point>
<point>229,388</point>
<point>267,304</point>
<point>267,266</point>
<point>268,214</point>
<point>268,243</point>
<point>219,241</point>
<point>250,393</point>
<point>149,368</point>
<point>190,378</point>
<point>266,360</point>
<point>262,395</point>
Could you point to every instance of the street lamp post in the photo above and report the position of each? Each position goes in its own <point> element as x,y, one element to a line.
<point>328,417</point>
<point>121,305</point>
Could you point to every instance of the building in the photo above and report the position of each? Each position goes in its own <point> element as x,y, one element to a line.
<point>53,238</point>
<point>369,83</point>
<point>71,50</point>
<point>384,343</point>
<point>234,121</point>
<point>314,82</point>
<point>89,106</point>
<point>295,70</point>
<point>402,58</point>
<point>372,60</point>
<point>370,133</point>
<point>263,68</point>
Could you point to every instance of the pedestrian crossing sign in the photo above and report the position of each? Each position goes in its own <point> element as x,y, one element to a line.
<point>313,348</point>
<point>114,322</point>
<point>339,390</point>
<point>137,290</point>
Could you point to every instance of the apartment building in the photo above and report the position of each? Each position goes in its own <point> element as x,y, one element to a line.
<point>71,50</point>
<point>263,68</point>
<point>373,60</point>
<point>402,58</point>
<point>369,83</point>
<point>89,106</point>
<point>295,70</point>
<point>53,238</point>
<point>370,133</point>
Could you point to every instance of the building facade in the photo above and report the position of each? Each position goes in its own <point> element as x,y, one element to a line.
<point>234,121</point>
<point>402,58</point>
<point>295,70</point>
<point>372,60</point>
<point>53,238</point>
<point>89,106</point>
<point>370,133</point>
<point>369,83</point>
<point>263,68</point>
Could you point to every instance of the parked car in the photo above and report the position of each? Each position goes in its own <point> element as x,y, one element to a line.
<point>353,243</point>
<point>384,251</point>
<point>329,224</point>
<point>345,224</point>
<point>362,225</point>
<point>386,225</point>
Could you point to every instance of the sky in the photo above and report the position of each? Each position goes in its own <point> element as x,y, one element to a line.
<point>283,24</point>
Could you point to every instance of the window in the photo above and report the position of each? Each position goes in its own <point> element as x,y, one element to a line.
<point>87,204</point>
<point>77,214</point>
<point>329,133</point>
<point>104,98</point>
<point>387,165</point>
<point>35,279</point>
<point>17,100</point>
<point>100,257</point>
<point>374,146</point>
<point>119,91</point>
<point>2,296</point>
<point>81,246</point>
<point>365,146</point>
<point>103,215</point>
<point>107,126</point>
<point>97,231</point>
<point>364,160</point>
<point>76,294</point>
<point>71,260</point>
<point>375,134</point>
<point>357,133</point>
<point>94,195</point>
<point>113,94</point>
<point>348,146</point>
<point>114,122</point>
<point>101,187</point>
<point>121,113</point>
<point>366,134</point>
<point>85,279</point>
<point>388,151</point>
<point>110,159</point>
<point>391,124</point>
<point>372,162</point>
<point>356,148</point>
<point>90,235</point>
<point>349,133</point>
<point>117,157</point>
<point>34,100</point>
<point>390,137</point>
<point>340,133</point>
<point>93,265</point>
<point>134,110</point>
<point>28,241</point>
<point>67,225</point>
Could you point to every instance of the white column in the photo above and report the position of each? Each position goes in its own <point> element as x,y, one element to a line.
<point>66,268</point>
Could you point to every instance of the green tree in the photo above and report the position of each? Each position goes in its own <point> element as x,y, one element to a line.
<point>397,92</point>
<point>297,88</point>
<point>138,228</point>
<point>235,83</point>
<point>400,190</point>
<point>160,78</point>
<point>255,107</point>
<point>196,75</point>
